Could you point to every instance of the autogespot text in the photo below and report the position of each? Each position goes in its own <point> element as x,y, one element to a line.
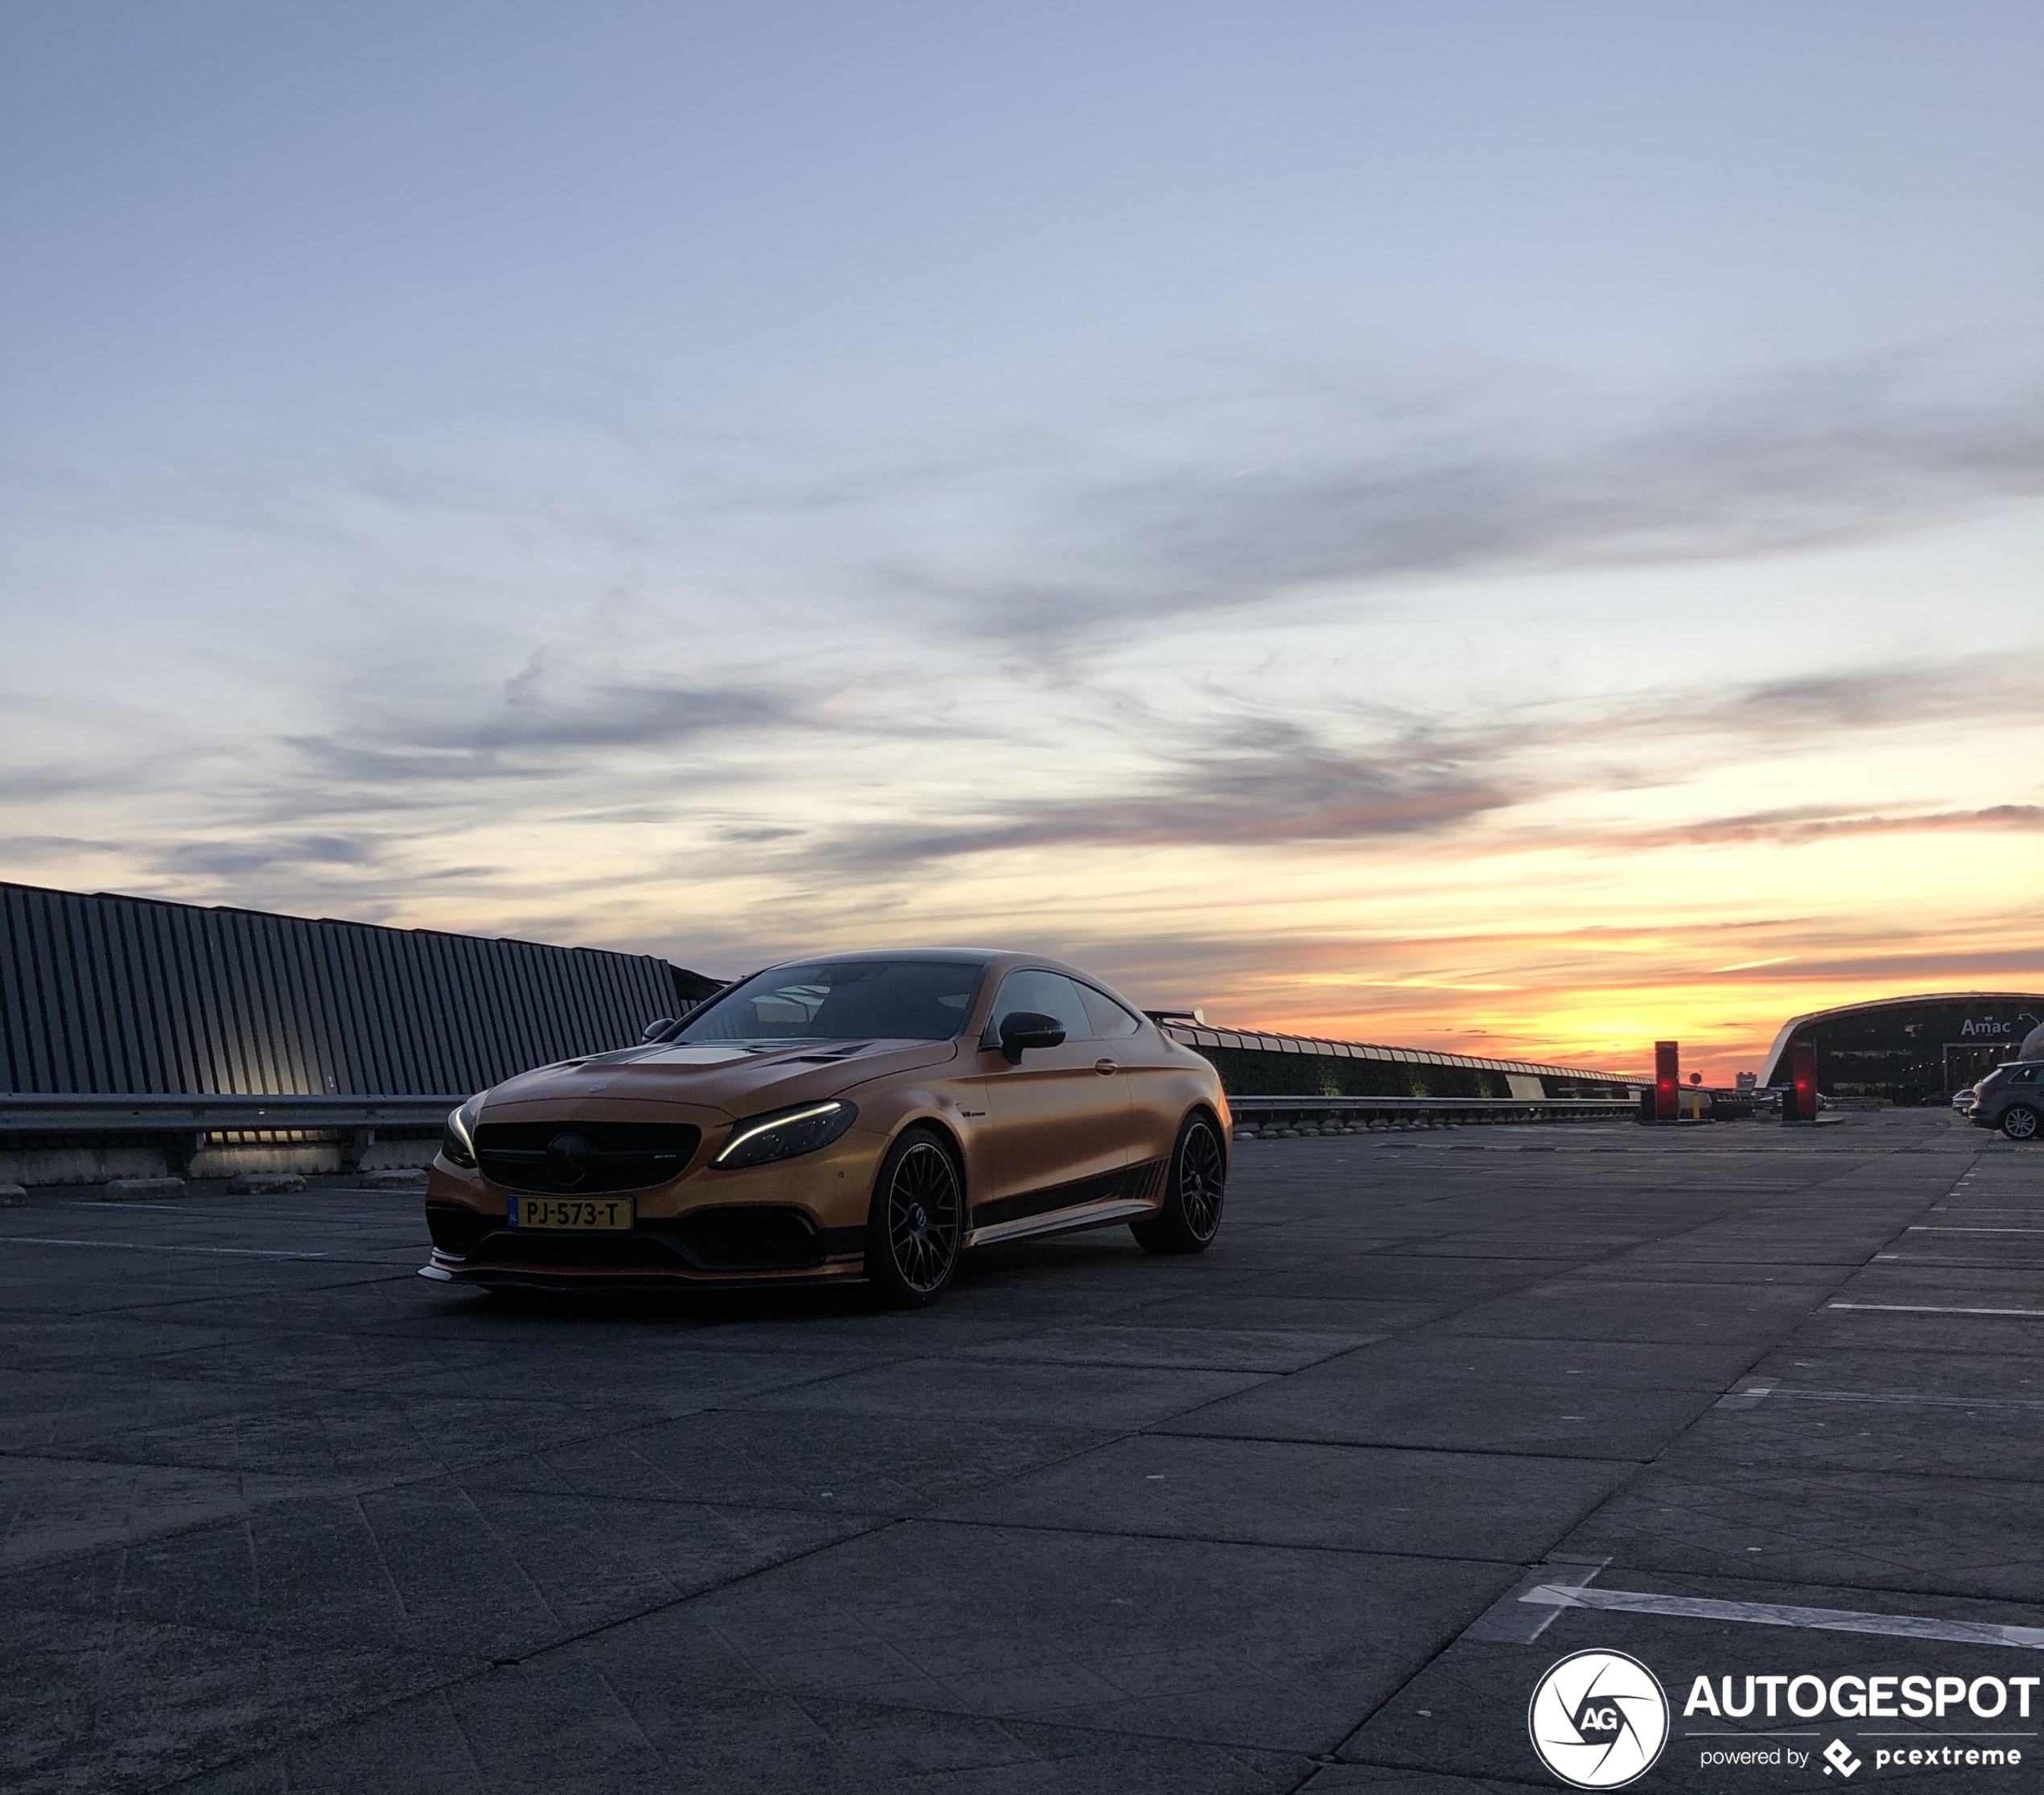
<point>1849,1698</point>
<point>1804,1696</point>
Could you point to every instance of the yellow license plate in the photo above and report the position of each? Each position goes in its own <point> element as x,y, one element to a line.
<point>571,1212</point>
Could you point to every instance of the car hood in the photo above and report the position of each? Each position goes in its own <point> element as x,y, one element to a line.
<point>723,1075</point>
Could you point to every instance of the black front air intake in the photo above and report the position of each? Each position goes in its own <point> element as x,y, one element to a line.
<point>765,1237</point>
<point>455,1229</point>
<point>584,1158</point>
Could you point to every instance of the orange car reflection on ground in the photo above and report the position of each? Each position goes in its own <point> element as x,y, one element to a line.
<point>865,1115</point>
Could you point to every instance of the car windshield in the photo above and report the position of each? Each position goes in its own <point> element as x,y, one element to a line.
<point>845,1000</point>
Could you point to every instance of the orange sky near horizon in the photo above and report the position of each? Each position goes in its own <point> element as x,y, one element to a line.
<point>1396,826</point>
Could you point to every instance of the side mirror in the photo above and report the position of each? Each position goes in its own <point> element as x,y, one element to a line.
<point>1023,1029</point>
<point>657,1031</point>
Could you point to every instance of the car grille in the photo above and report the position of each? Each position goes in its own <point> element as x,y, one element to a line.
<point>584,1158</point>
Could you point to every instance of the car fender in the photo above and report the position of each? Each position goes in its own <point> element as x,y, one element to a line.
<point>1165,1096</point>
<point>890,1114</point>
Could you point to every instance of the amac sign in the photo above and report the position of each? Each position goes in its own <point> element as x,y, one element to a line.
<point>1985,1029</point>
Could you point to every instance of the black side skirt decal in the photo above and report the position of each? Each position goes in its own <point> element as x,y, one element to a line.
<point>1131,1182</point>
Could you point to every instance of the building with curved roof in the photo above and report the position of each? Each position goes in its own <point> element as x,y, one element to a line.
<point>1910,1050</point>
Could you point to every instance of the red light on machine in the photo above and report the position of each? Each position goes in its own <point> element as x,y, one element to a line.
<point>1667,1079</point>
<point>1801,1103</point>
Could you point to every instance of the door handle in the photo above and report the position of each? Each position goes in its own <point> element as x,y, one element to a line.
<point>1105,1067</point>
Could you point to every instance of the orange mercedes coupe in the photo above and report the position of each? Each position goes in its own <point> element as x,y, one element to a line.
<point>866,1116</point>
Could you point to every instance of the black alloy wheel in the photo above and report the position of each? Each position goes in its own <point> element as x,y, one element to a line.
<point>1196,1187</point>
<point>918,1219</point>
<point>2019,1122</point>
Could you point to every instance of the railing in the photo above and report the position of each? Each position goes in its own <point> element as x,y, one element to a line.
<point>1273,1113</point>
<point>181,1124</point>
<point>41,1114</point>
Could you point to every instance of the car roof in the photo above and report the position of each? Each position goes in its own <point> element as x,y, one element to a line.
<point>960,956</point>
<point>1005,959</point>
<point>949,957</point>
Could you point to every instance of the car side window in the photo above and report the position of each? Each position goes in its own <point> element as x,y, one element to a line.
<point>1110,1021</point>
<point>1048,994</point>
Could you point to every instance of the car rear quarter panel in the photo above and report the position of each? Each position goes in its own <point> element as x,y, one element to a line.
<point>1167,1085</point>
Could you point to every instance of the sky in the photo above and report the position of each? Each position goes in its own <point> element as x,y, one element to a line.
<point>1515,529</point>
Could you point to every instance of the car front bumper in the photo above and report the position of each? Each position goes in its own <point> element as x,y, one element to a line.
<point>800,1220</point>
<point>715,1246</point>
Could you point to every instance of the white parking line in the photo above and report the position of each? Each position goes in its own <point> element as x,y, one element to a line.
<point>1770,1614</point>
<point>144,1246</point>
<point>1938,1228</point>
<point>1755,1393</point>
<point>1908,1399</point>
<point>1933,1309</point>
<point>1506,1622</point>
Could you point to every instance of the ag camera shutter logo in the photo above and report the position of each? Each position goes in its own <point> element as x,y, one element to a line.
<point>1598,1719</point>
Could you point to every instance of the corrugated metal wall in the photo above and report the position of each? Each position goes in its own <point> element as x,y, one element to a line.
<point>129,996</point>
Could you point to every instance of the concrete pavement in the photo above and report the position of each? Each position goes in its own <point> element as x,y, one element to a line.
<point>281,1516</point>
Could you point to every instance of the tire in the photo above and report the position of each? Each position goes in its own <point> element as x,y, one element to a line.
<point>1195,1189</point>
<point>916,1223</point>
<point>2019,1122</point>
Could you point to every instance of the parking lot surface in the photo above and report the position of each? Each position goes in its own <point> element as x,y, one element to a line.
<point>281,1516</point>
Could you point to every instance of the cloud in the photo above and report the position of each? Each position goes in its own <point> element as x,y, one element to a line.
<point>261,854</point>
<point>1868,698</point>
<point>1363,774</point>
<point>622,715</point>
<point>1267,781</point>
<point>542,733</point>
<point>1801,827</point>
<point>1802,459</point>
<point>1407,988</point>
<point>25,846</point>
<point>2023,958</point>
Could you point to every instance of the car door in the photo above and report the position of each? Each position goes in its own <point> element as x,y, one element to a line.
<point>1155,1077</point>
<point>1058,1121</point>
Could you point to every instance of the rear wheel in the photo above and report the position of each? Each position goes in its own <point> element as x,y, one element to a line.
<point>1195,1186</point>
<point>917,1220</point>
<point>2019,1122</point>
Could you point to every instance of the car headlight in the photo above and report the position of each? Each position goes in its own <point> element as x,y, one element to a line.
<point>785,1134</point>
<point>458,1137</point>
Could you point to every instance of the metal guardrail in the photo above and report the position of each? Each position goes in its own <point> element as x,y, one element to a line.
<point>1266,1112</point>
<point>38,1113</point>
<point>181,1125</point>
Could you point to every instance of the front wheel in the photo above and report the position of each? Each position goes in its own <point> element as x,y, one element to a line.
<point>917,1220</point>
<point>2019,1122</point>
<point>1195,1188</point>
